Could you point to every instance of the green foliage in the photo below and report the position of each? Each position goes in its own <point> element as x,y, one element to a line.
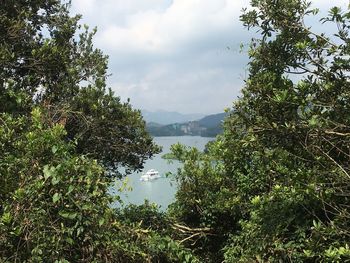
<point>146,216</point>
<point>204,200</point>
<point>61,131</point>
<point>49,60</point>
<point>161,246</point>
<point>275,186</point>
<point>109,130</point>
<point>57,206</point>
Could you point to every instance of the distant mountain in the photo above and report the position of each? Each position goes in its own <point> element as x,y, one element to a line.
<point>154,124</point>
<point>209,126</point>
<point>167,117</point>
<point>213,124</point>
<point>212,120</point>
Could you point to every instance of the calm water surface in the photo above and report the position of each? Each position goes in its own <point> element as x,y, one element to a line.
<point>162,190</point>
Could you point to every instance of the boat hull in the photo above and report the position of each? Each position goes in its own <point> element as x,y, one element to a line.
<point>150,175</point>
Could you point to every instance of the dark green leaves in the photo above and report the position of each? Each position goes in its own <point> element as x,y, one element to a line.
<point>68,214</point>
<point>275,185</point>
<point>59,126</point>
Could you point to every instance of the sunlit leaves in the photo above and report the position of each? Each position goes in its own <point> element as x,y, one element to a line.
<point>56,197</point>
<point>284,153</point>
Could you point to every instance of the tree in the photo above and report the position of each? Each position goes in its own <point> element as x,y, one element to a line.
<point>48,59</point>
<point>60,209</point>
<point>282,164</point>
<point>61,132</point>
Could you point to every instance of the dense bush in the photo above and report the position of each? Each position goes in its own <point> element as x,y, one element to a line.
<point>61,132</point>
<point>56,206</point>
<point>48,59</point>
<point>275,186</point>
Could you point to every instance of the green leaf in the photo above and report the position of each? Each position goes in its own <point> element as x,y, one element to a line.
<point>187,258</point>
<point>101,221</point>
<point>55,180</point>
<point>313,121</point>
<point>70,189</point>
<point>47,171</point>
<point>68,215</point>
<point>54,149</point>
<point>6,218</point>
<point>56,197</point>
<point>70,241</point>
<point>80,230</point>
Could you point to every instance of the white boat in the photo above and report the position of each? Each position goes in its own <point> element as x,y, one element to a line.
<point>150,175</point>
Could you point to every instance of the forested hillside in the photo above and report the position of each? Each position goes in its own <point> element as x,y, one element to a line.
<point>208,126</point>
<point>273,187</point>
<point>167,117</point>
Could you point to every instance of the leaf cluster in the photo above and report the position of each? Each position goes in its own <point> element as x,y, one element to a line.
<point>275,186</point>
<point>61,132</point>
<point>48,60</point>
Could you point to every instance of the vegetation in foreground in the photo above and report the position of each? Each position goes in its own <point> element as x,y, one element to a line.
<point>274,187</point>
<point>63,135</point>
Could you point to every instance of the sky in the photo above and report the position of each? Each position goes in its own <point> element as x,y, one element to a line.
<point>174,55</point>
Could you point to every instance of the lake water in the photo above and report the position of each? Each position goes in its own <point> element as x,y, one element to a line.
<point>160,191</point>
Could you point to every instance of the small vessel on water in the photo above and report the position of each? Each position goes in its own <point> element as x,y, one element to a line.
<point>150,175</point>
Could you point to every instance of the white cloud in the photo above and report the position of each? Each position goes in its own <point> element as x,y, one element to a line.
<point>85,7</point>
<point>144,27</point>
<point>171,54</point>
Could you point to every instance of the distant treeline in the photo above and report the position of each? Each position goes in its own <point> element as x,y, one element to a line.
<point>209,126</point>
